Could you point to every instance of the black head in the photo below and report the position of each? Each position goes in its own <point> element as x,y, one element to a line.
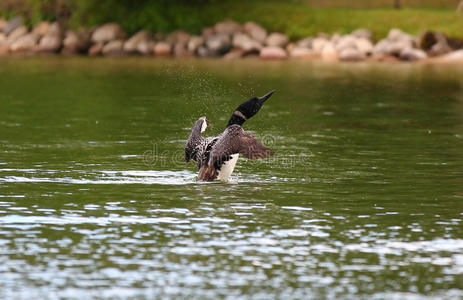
<point>248,109</point>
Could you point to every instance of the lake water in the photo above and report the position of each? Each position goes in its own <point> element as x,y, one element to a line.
<point>363,198</point>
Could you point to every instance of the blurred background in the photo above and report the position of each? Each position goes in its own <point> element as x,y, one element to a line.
<point>297,18</point>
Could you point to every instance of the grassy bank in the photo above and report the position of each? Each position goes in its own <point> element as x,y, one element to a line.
<point>295,18</point>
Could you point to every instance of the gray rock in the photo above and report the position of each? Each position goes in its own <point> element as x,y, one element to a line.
<point>113,48</point>
<point>180,50</point>
<point>76,41</point>
<point>412,54</point>
<point>318,44</point>
<point>218,43</point>
<point>3,23</point>
<point>2,39</point>
<point>305,43</point>
<point>25,43</point>
<point>203,51</point>
<point>194,43</point>
<point>255,31</point>
<point>302,52</point>
<point>273,53</point>
<point>435,43</point>
<point>335,38</point>
<point>207,32</point>
<point>453,56</point>
<point>227,27</point>
<point>41,28</point>
<point>329,52</point>
<point>162,49</point>
<point>362,33</point>
<point>108,32</point>
<point>276,39</point>
<point>245,42</point>
<point>398,35</point>
<point>145,47</point>
<point>345,42</point>
<point>95,49</point>
<point>178,37</point>
<point>16,34</point>
<point>132,44</point>
<point>12,25</point>
<point>364,45</point>
<point>351,54</point>
<point>234,53</point>
<point>50,43</point>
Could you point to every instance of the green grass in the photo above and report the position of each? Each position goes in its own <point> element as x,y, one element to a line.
<point>296,18</point>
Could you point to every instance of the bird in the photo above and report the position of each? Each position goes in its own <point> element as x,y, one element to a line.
<point>216,157</point>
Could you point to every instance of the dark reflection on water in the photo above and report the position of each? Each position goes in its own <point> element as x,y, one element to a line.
<point>363,198</point>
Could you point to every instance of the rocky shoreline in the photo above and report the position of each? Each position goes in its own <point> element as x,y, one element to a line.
<point>226,39</point>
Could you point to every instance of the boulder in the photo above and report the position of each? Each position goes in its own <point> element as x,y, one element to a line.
<point>131,45</point>
<point>329,52</point>
<point>145,47</point>
<point>96,49</point>
<point>318,44</point>
<point>351,54</point>
<point>2,39</point>
<point>255,31</point>
<point>412,54</point>
<point>305,43</point>
<point>162,49</point>
<point>3,23</point>
<point>207,32</point>
<point>362,33</point>
<point>113,48</point>
<point>3,46</point>
<point>12,25</point>
<point>194,43</point>
<point>453,56</point>
<point>178,37</point>
<point>16,34</point>
<point>335,38</point>
<point>272,53</point>
<point>76,41</point>
<point>245,42</point>
<point>276,39</point>
<point>234,53</point>
<point>434,43</point>
<point>227,27</point>
<point>302,52</point>
<point>203,51</point>
<point>25,43</point>
<point>345,42</point>
<point>108,32</point>
<point>180,50</point>
<point>391,47</point>
<point>398,35</point>
<point>218,43</point>
<point>52,41</point>
<point>364,45</point>
<point>41,28</point>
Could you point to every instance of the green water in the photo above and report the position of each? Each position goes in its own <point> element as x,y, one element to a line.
<point>363,199</point>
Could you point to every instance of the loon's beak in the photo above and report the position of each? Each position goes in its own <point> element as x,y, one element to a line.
<point>266,96</point>
<point>208,122</point>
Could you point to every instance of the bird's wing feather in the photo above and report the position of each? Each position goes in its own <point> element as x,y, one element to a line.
<point>236,140</point>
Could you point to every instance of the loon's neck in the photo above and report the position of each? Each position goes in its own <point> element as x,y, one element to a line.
<point>236,118</point>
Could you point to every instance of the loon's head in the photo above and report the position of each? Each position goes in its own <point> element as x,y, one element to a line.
<point>248,109</point>
<point>202,123</point>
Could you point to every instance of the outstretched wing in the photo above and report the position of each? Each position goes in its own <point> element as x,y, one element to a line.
<point>236,140</point>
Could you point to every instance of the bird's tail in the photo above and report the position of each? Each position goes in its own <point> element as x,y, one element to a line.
<point>207,173</point>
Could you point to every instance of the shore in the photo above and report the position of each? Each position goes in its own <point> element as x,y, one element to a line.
<point>228,40</point>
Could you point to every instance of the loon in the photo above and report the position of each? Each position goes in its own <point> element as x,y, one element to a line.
<point>216,157</point>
